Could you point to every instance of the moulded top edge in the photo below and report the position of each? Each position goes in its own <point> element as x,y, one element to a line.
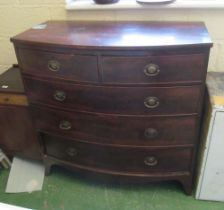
<point>117,35</point>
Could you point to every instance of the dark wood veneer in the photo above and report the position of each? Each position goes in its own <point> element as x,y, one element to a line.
<point>118,35</point>
<point>107,71</point>
<point>121,159</point>
<point>173,69</point>
<point>17,134</point>
<point>118,130</point>
<point>116,100</point>
<point>71,67</point>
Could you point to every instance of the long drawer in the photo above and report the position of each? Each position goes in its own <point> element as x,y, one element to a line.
<point>115,100</point>
<point>121,159</point>
<point>117,130</point>
<point>82,68</point>
<point>153,69</point>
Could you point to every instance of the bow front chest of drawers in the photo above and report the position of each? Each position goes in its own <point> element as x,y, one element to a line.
<point>117,99</point>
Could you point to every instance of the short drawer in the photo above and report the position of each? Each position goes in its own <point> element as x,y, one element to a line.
<point>115,100</point>
<point>13,99</point>
<point>154,69</point>
<point>117,130</point>
<point>64,66</point>
<point>115,158</point>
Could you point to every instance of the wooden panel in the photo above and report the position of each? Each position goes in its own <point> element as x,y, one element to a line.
<point>68,66</point>
<point>171,100</point>
<point>118,130</point>
<point>17,134</point>
<point>168,69</point>
<point>122,159</point>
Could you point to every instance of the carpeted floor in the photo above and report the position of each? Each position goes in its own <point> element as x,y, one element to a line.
<point>64,191</point>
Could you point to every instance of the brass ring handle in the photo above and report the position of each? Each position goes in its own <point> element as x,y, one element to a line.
<point>71,152</point>
<point>65,125</point>
<point>59,95</point>
<point>150,161</point>
<point>151,102</point>
<point>151,70</point>
<point>151,133</point>
<point>53,65</point>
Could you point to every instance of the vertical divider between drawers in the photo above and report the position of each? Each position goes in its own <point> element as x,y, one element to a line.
<point>100,68</point>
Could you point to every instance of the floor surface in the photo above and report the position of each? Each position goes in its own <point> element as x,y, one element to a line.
<point>64,191</point>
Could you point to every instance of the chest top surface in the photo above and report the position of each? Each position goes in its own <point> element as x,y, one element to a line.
<point>115,35</point>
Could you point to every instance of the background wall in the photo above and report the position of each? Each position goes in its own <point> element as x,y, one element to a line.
<point>19,15</point>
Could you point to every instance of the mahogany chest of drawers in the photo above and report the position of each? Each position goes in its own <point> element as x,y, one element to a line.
<point>117,99</point>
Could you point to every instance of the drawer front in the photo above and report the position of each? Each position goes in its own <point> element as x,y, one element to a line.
<point>65,66</point>
<point>154,69</point>
<point>13,99</point>
<point>122,159</point>
<point>120,100</point>
<point>117,130</point>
